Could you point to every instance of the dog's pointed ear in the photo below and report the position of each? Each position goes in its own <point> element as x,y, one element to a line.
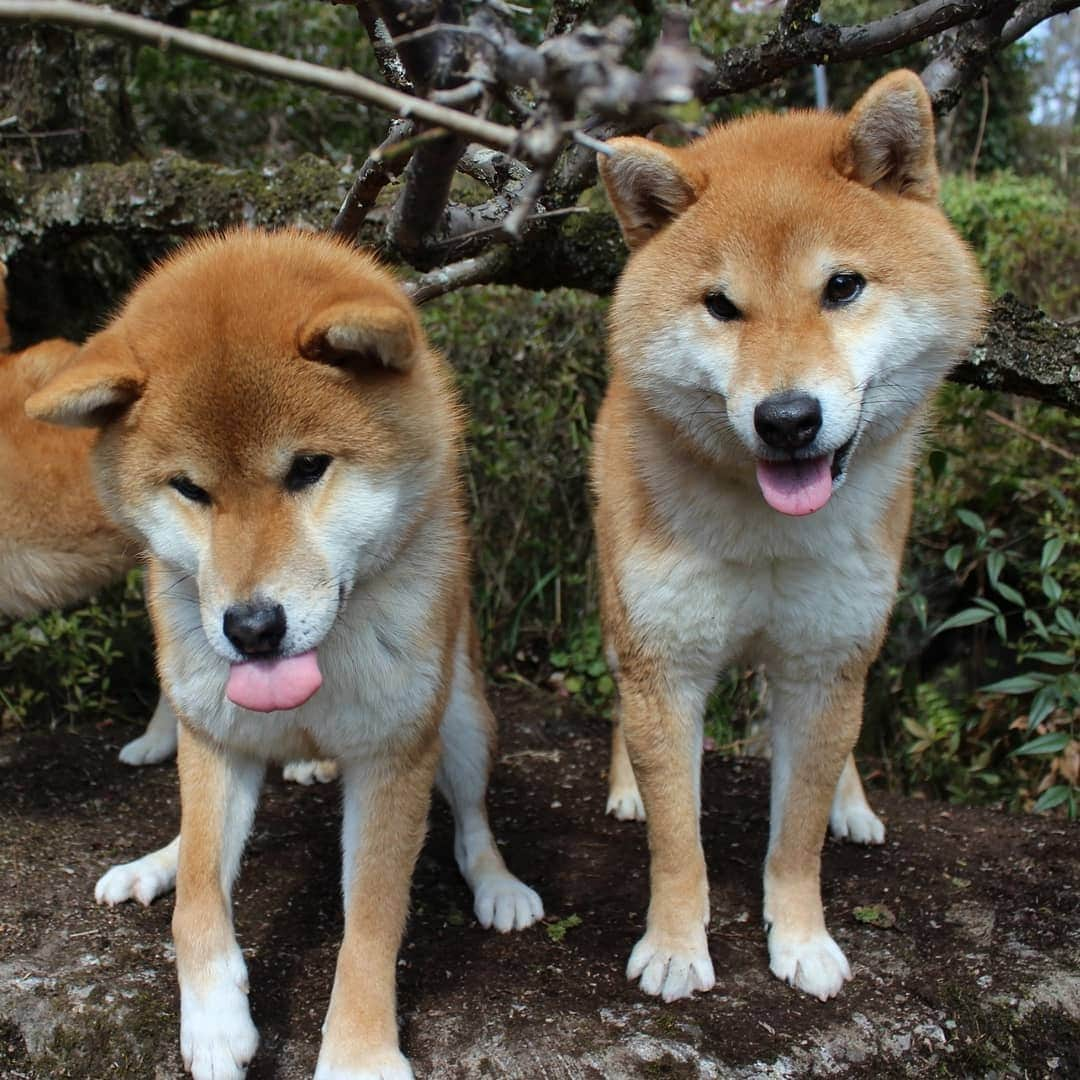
<point>888,141</point>
<point>362,337</point>
<point>647,184</point>
<point>97,387</point>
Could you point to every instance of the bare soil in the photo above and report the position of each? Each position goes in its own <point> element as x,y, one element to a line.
<point>978,976</point>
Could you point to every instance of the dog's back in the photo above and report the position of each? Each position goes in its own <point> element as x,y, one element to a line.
<point>56,545</point>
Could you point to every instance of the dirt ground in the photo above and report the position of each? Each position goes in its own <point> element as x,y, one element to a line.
<point>978,976</point>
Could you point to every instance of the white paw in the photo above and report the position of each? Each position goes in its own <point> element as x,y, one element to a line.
<point>811,963</point>
<point>144,879</point>
<point>503,902</point>
<point>150,748</point>
<point>672,968</point>
<point>626,805</point>
<point>857,823</point>
<point>382,1065</point>
<point>217,1037</point>
<point>310,772</point>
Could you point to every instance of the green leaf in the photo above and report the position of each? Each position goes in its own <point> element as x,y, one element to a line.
<point>1051,797</point>
<point>1034,619</point>
<point>1051,588</point>
<point>875,915</point>
<point>918,605</point>
<point>1018,684</point>
<point>967,617</point>
<point>971,520</point>
<point>1000,629</point>
<point>1051,743</point>
<point>1010,594</point>
<point>1057,658</point>
<point>953,556</point>
<point>1050,552</point>
<point>915,728</point>
<point>1067,621</point>
<point>557,931</point>
<point>596,669</point>
<point>574,684</point>
<point>995,563</point>
<point>989,605</point>
<point>605,685</point>
<point>1042,705</point>
<point>559,659</point>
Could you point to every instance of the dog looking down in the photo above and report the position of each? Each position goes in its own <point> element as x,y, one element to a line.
<point>274,427</point>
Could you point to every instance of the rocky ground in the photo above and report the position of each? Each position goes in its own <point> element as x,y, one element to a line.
<point>963,931</point>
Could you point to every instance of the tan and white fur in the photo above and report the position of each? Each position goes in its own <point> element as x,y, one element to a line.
<point>777,263</point>
<point>57,547</point>
<point>275,427</point>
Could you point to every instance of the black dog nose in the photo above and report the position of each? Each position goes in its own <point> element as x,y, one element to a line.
<point>788,421</point>
<point>255,629</point>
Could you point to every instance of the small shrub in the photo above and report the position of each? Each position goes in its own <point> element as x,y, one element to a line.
<point>1026,236</point>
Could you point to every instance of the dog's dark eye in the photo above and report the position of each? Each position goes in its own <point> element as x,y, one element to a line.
<point>720,307</point>
<point>843,288</point>
<point>189,490</point>
<point>305,470</point>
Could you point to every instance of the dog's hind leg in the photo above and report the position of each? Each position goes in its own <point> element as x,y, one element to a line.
<point>624,797</point>
<point>157,742</point>
<point>850,817</point>
<point>144,879</point>
<point>468,736</point>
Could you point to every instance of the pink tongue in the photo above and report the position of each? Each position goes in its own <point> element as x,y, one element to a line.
<point>271,685</point>
<point>796,487</point>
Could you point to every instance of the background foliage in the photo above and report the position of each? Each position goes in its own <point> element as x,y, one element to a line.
<point>977,693</point>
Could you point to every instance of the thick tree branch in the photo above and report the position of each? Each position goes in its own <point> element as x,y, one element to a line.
<point>74,240</point>
<point>1025,352</point>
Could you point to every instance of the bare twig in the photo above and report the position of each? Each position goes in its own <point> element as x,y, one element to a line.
<point>345,83</point>
<point>378,171</point>
<point>476,271</point>
<point>1046,444</point>
<point>983,113</point>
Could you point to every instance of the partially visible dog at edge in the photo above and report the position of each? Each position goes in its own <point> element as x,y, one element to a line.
<point>274,427</point>
<point>57,546</point>
<point>793,299</point>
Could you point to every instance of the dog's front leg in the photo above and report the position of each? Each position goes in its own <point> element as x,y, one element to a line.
<point>218,793</point>
<point>814,727</point>
<point>663,734</point>
<point>385,817</point>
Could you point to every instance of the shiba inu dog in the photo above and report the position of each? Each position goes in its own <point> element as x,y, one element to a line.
<point>275,428</point>
<point>57,546</point>
<point>793,299</point>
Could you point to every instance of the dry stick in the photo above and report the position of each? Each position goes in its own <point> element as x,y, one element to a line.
<point>1046,444</point>
<point>381,167</point>
<point>479,270</point>
<point>345,83</point>
<point>982,126</point>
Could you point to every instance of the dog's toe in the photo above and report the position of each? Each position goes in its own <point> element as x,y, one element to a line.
<point>505,903</point>
<point>672,968</point>
<point>812,963</point>
<point>148,749</point>
<point>217,1037</point>
<point>311,772</point>
<point>143,880</point>
<point>626,805</point>
<point>859,824</point>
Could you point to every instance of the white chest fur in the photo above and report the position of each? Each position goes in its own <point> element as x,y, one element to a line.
<point>733,580</point>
